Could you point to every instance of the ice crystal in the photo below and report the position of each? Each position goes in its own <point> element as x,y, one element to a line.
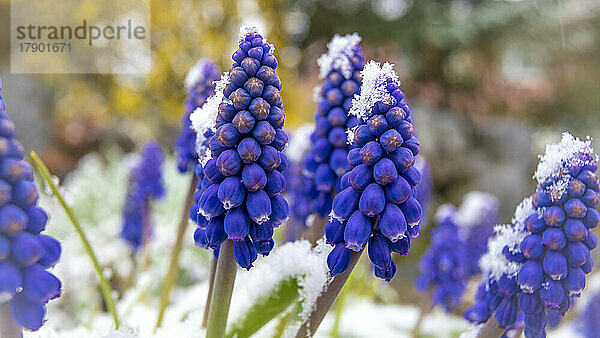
<point>299,142</point>
<point>373,89</point>
<point>340,51</point>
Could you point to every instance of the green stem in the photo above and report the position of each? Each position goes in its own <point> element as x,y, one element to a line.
<point>425,308</point>
<point>8,328</point>
<point>221,298</point>
<point>326,299</point>
<point>491,329</point>
<point>104,285</point>
<point>211,285</point>
<point>316,229</point>
<point>175,254</point>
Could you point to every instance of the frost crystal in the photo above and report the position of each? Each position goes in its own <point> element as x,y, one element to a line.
<point>339,54</point>
<point>316,94</point>
<point>204,118</point>
<point>373,88</point>
<point>558,158</point>
<point>493,263</point>
<point>299,142</point>
<point>350,135</point>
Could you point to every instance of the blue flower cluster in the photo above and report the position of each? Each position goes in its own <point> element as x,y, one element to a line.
<point>587,322</point>
<point>443,268</point>
<point>425,187</point>
<point>242,184</point>
<point>377,202</point>
<point>145,184</point>
<point>25,253</point>
<point>200,85</point>
<point>326,161</point>
<point>547,252</point>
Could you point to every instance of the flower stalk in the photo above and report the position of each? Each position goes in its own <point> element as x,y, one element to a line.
<point>491,329</point>
<point>425,308</point>
<point>104,285</point>
<point>211,285</point>
<point>221,297</point>
<point>327,298</point>
<point>176,253</point>
<point>316,229</point>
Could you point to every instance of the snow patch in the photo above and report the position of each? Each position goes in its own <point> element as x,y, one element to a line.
<point>475,209</point>
<point>373,89</point>
<point>339,52</point>
<point>196,74</point>
<point>204,118</point>
<point>558,157</point>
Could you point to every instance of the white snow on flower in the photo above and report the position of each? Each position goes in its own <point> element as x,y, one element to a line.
<point>252,29</point>
<point>196,74</point>
<point>473,331</point>
<point>316,94</point>
<point>477,208</point>
<point>558,157</point>
<point>350,135</point>
<point>493,263</point>
<point>339,53</point>
<point>204,118</point>
<point>299,142</point>
<point>373,89</point>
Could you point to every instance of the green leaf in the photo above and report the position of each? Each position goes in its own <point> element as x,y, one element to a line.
<point>266,309</point>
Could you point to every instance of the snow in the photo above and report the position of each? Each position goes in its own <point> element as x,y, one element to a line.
<point>473,331</point>
<point>493,263</point>
<point>554,163</point>
<point>350,135</point>
<point>299,142</point>
<point>445,212</point>
<point>196,74</point>
<point>316,94</point>
<point>339,53</point>
<point>204,118</point>
<point>373,88</point>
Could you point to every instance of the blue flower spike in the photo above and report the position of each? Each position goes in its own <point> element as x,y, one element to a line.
<point>377,203</point>
<point>145,185</point>
<point>240,141</point>
<point>199,83</point>
<point>26,254</point>
<point>326,161</point>
<point>538,265</point>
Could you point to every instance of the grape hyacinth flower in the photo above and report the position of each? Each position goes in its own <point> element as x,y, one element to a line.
<point>443,268</point>
<point>199,83</point>
<point>326,161</point>
<point>476,218</point>
<point>539,264</point>
<point>298,187</point>
<point>145,185</point>
<point>242,182</point>
<point>26,254</point>
<point>377,202</point>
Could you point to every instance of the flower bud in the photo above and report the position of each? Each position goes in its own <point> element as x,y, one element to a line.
<point>554,216</point>
<point>592,218</point>
<point>271,94</point>
<point>576,253</point>
<point>283,165</point>
<point>338,259</point>
<point>209,204</point>
<point>372,200</point>
<point>231,192</point>
<point>405,129</point>
<point>337,161</point>
<point>269,159</point>
<point>322,203</point>
<point>402,158</point>
<point>39,285</point>
<point>250,65</point>
<point>236,224</point>
<point>555,265</point>
<point>535,224</point>
<point>386,274</point>
<point>575,230</point>
<point>324,178</point>
<point>357,231</point>
<point>337,117</point>
<point>249,150</point>
<point>395,116</point>
<point>591,199</point>
<point>268,76</point>
<point>392,223</point>
<point>575,282</point>
<point>591,241</point>
<point>261,233</point>
<point>12,219</point>
<point>254,86</point>
<point>244,253</point>
<point>354,157</point>
<point>398,191</point>
<point>264,133</point>
<point>528,302</point>
<point>13,169</point>
<point>275,183</point>
<point>280,210</point>
<point>229,162</point>
<point>276,117</point>
<point>334,231</point>
<point>258,206</point>
<point>412,176</point>
<point>385,172</point>
<point>413,144</point>
<point>575,208</point>
<point>10,278</point>
<point>52,251</point>
<point>531,276</point>
<point>26,249</point>
<point>24,193</point>
<point>554,239</point>
<point>390,140</point>
<point>362,135</point>
<point>337,137</point>
<point>215,232</point>
<point>237,76</point>
<point>576,188</point>
<point>200,239</point>
<point>334,97</point>
<point>371,152</point>
<point>412,211</point>
<point>244,121</point>
<point>377,124</point>
<point>532,247</point>
<point>228,135</point>
<point>26,313</point>
<point>280,140</point>
<point>345,203</point>
<point>506,314</point>
<point>552,294</point>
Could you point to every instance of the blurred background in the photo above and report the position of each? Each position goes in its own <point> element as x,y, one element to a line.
<point>490,82</point>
